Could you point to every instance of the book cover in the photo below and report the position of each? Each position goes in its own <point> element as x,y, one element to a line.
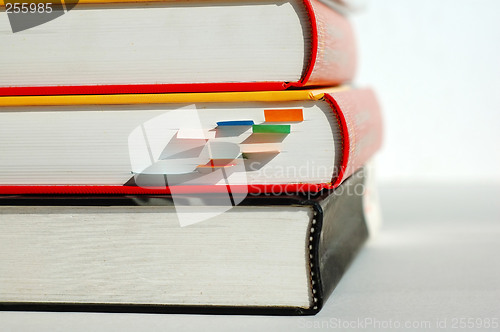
<point>354,127</point>
<point>328,56</point>
<point>272,255</point>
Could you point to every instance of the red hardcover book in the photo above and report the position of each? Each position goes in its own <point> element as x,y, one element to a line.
<point>182,46</point>
<point>243,142</point>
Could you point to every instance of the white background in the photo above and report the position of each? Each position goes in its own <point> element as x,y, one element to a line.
<point>436,68</point>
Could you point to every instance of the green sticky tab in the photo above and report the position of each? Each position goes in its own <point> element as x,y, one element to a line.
<point>271,129</point>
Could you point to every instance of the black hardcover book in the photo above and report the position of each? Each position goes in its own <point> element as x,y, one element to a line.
<point>275,255</point>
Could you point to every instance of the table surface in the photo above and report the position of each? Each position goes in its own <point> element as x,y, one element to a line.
<point>434,265</point>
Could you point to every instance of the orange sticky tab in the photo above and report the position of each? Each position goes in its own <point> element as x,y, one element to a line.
<point>218,163</point>
<point>284,115</point>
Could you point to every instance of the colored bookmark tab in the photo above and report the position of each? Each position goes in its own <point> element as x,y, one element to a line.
<point>235,123</point>
<point>218,163</point>
<point>259,153</point>
<point>284,115</point>
<point>247,149</point>
<point>271,129</point>
<point>195,133</point>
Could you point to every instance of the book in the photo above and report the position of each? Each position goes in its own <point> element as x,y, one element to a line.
<point>286,141</point>
<point>137,46</point>
<point>273,254</point>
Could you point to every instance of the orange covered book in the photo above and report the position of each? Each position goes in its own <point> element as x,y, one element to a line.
<point>245,142</point>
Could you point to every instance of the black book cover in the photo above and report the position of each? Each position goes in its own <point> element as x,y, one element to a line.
<point>337,232</point>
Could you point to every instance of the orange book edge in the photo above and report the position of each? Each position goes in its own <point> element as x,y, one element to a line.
<point>168,98</point>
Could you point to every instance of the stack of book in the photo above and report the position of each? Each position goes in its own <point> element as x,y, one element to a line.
<point>187,156</point>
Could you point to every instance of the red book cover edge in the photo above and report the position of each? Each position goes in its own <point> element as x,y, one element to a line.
<point>319,72</point>
<point>360,140</point>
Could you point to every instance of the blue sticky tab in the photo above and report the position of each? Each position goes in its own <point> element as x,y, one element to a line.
<point>235,123</point>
